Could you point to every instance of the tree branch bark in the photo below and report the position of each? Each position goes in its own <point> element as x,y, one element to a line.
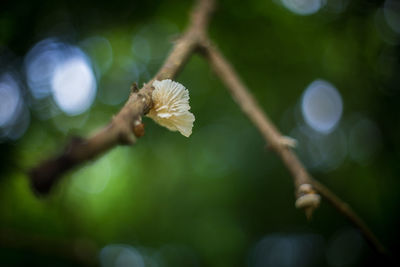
<point>241,94</point>
<point>122,128</point>
<point>126,127</point>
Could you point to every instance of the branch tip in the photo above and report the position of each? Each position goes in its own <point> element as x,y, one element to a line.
<point>310,201</point>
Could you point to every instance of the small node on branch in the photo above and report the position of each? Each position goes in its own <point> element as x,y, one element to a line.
<point>138,128</point>
<point>283,141</point>
<point>288,142</point>
<point>134,88</point>
<point>308,199</point>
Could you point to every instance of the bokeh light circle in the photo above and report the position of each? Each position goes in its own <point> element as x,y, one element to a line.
<point>304,7</point>
<point>119,255</point>
<point>321,106</point>
<point>63,71</point>
<point>10,99</point>
<point>391,11</point>
<point>74,86</point>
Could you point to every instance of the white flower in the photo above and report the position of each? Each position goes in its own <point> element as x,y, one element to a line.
<point>171,107</point>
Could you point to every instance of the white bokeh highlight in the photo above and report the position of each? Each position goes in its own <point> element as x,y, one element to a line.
<point>14,114</point>
<point>74,86</point>
<point>120,255</point>
<point>39,65</point>
<point>321,106</point>
<point>10,100</point>
<point>304,7</point>
<point>64,73</point>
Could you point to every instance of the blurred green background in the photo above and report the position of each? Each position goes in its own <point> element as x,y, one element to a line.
<point>326,72</point>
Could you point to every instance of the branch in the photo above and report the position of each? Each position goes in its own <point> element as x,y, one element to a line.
<point>126,126</point>
<point>252,109</point>
<point>305,185</point>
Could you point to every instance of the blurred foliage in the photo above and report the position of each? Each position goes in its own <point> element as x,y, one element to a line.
<point>218,198</point>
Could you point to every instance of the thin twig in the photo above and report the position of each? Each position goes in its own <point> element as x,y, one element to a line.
<point>350,214</point>
<point>121,130</point>
<point>271,134</point>
<point>255,113</point>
